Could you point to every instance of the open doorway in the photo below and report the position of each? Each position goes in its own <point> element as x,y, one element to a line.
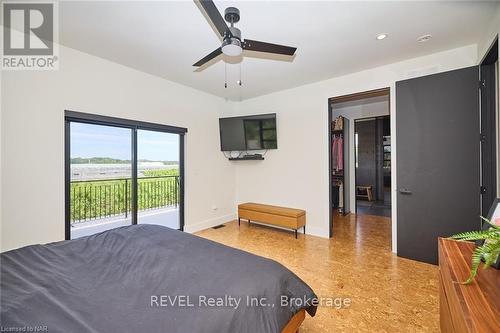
<point>372,158</point>
<point>360,158</point>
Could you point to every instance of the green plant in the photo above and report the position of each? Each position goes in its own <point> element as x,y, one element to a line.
<point>489,250</point>
<point>161,172</point>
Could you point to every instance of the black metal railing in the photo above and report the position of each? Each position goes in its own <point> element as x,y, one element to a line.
<point>96,199</point>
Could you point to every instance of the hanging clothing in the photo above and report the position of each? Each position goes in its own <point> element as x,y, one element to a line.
<point>341,195</point>
<point>334,153</point>
<point>338,153</point>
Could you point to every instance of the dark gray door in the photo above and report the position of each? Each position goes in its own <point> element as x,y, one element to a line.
<point>437,128</point>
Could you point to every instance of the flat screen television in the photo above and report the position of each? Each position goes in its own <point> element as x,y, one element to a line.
<point>256,132</point>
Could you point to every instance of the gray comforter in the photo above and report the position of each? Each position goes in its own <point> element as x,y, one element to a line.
<point>146,278</point>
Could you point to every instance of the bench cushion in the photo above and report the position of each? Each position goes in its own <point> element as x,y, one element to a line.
<point>275,210</point>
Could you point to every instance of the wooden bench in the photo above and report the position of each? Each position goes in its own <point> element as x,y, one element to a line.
<point>364,192</point>
<point>274,215</point>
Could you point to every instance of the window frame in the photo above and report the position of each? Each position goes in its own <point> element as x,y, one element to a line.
<point>94,119</point>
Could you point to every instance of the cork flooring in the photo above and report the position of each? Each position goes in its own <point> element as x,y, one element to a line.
<point>387,293</point>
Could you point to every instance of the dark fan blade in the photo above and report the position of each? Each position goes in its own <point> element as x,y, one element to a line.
<point>215,17</point>
<point>209,57</point>
<point>255,45</point>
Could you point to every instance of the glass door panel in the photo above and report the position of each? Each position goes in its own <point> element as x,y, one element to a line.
<point>158,178</point>
<point>101,178</point>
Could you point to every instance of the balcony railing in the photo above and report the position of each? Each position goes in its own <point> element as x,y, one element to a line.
<point>96,199</point>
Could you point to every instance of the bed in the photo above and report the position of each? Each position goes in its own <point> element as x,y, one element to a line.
<point>147,278</point>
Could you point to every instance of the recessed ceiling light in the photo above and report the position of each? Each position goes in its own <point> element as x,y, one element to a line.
<point>381,36</point>
<point>424,38</point>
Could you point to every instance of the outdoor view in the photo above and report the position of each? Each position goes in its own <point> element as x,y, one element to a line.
<point>101,178</point>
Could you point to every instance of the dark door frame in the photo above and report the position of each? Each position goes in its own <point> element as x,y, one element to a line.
<point>488,99</point>
<point>340,99</point>
<point>354,147</point>
<point>88,118</point>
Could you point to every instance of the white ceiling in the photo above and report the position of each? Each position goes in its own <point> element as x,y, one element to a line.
<point>165,38</point>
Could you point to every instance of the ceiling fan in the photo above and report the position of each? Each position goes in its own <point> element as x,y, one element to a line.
<point>232,44</point>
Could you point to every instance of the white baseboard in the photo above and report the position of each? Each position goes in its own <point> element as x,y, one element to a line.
<point>309,230</point>
<point>191,228</point>
<point>318,232</point>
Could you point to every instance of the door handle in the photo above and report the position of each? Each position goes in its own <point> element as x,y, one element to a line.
<point>404,191</point>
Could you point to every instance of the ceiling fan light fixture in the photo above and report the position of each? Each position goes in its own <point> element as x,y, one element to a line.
<point>232,47</point>
<point>232,43</point>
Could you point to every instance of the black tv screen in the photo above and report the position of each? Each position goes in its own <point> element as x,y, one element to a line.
<point>248,133</point>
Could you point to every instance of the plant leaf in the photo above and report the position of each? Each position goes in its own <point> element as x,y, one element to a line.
<point>476,261</point>
<point>492,250</point>
<point>489,250</point>
<point>475,235</point>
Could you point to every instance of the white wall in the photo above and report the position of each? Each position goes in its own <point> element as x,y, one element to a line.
<point>296,174</point>
<point>32,138</point>
<point>352,113</point>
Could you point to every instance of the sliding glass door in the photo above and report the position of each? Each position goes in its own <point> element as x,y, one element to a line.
<point>120,172</point>
<point>101,170</point>
<point>158,182</point>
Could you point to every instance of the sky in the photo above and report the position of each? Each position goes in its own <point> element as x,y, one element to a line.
<point>88,140</point>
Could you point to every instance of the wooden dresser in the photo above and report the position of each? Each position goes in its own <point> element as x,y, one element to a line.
<point>466,308</point>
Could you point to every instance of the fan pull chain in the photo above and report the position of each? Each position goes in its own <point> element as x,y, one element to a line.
<point>225,75</point>
<point>239,81</point>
